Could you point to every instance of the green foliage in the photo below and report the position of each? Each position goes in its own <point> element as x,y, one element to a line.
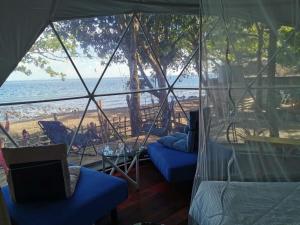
<point>44,52</point>
<point>53,73</point>
<point>173,37</point>
<point>236,37</point>
<point>289,49</point>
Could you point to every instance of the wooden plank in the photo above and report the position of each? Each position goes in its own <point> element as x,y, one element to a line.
<point>156,201</point>
<point>272,140</point>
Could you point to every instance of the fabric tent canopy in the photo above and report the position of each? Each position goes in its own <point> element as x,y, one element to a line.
<point>22,22</point>
<point>268,11</point>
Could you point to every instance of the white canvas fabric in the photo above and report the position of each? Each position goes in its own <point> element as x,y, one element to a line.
<point>21,22</point>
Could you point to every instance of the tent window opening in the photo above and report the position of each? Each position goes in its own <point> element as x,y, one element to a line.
<point>130,78</point>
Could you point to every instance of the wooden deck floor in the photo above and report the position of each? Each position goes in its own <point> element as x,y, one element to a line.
<point>156,201</point>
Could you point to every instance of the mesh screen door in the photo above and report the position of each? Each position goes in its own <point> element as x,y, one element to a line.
<point>250,82</point>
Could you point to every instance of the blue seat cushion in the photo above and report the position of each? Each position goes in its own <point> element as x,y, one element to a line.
<point>95,196</point>
<point>175,166</point>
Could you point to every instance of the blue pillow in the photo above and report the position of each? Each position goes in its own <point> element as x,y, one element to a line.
<point>181,145</point>
<point>176,141</point>
<point>179,135</point>
<point>168,141</point>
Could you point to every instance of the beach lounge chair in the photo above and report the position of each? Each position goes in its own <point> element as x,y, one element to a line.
<point>153,127</point>
<point>58,133</point>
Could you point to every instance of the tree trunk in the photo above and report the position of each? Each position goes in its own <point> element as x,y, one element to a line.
<point>165,112</point>
<point>260,43</point>
<point>133,100</point>
<point>211,95</point>
<point>161,81</point>
<point>271,96</point>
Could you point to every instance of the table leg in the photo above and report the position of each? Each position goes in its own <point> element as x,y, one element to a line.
<point>130,180</point>
<point>103,163</point>
<point>137,171</point>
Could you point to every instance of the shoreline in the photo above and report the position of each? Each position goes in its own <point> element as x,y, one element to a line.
<point>68,118</point>
<point>72,119</point>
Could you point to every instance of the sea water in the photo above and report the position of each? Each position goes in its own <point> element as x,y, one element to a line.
<point>35,90</point>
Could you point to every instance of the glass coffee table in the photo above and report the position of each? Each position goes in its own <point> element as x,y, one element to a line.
<point>122,156</point>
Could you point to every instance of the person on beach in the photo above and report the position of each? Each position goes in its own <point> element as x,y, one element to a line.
<point>25,137</point>
<point>7,123</point>
<point>92,129</point>
<point>2,161</point>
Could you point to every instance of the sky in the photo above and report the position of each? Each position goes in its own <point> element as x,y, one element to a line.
<point>88,68</point>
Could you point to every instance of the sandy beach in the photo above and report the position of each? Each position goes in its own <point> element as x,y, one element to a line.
<point>72,119</point>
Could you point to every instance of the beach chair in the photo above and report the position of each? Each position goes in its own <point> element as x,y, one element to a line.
<point>58,133</point>
<point>160,128</point>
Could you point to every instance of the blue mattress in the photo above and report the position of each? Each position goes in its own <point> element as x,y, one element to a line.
<point>178,166</point>
<point>175,166</point>
<point>95,196</point>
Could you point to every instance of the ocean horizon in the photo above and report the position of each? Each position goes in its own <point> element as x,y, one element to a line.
<point>45,89</point>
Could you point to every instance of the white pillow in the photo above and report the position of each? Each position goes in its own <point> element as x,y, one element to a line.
<point>74,177</point>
